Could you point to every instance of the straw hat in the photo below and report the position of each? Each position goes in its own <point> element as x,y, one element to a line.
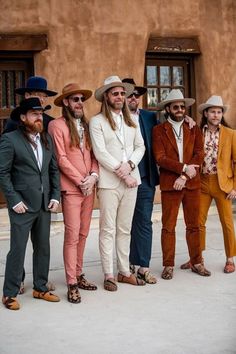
<point>175,95</point>
<point>113,81</point>
<point>71,89</point>
<point>213,101</point>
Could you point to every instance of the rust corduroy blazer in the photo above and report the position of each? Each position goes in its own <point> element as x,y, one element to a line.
<point>167,157</point>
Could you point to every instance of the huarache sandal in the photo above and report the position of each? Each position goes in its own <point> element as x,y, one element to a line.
<point>229,267</point>
<point>132,279</point>
<point>147,276</point>
<point>83,283</point>
<point>73,294</point>
<point>110,284</point>
<point>167,273</point>
<point>200,270</point>
<point>11,303</point>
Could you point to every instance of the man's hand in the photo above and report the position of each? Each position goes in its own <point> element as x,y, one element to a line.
<point>190,121</point>
<point>123,170</point>
<point>179,184</point>
<point>231,195</point>
<point>130,181</point>
<point>53,206</point>
<point>191,170</point>
<point>87,184</point>
<point>21,208</point>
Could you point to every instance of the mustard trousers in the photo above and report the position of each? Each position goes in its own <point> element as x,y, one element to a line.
<point>210,189</point>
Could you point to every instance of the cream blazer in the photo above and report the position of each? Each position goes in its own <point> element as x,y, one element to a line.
<point>226,160</point>
<point>108,149</point>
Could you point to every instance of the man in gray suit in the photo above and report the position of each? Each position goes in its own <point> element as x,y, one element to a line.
<point>118,146</point>
<point>29,179</point>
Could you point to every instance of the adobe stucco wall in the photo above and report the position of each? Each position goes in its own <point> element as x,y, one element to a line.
<point>92,39</point>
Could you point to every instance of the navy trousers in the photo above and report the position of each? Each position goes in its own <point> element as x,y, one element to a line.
<point>141,232</point>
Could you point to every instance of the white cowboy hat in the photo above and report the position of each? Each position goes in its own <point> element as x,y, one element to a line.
<point>113,81</point>
<point>213,101</point>
<point>175,95</point>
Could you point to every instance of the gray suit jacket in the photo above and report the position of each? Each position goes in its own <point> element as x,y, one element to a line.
<point>20,177</point>
<point>108,149</point>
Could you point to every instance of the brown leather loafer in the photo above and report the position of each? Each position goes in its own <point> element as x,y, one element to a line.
<point>132,279</point>
<point>11,303</point>
<point>45,295</point>
<point>200,270</point>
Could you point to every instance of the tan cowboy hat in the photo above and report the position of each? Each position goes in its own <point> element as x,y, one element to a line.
<point>71,89</point>
<point>175,95</point>
<point>213,101</point>
<point>113,81</point>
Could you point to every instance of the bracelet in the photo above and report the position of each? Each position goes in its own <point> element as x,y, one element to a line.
<point>183,177</point>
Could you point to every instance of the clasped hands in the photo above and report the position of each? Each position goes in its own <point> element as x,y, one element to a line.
<point>87,184</point>
<point>180,182</point>
<point>123,172</point>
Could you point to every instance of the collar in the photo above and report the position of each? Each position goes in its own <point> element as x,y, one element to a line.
<point>205,128</point>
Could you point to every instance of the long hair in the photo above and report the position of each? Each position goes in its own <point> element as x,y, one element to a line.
<point>204,120</point>
<point>105,110</point>
<point>74,136</point>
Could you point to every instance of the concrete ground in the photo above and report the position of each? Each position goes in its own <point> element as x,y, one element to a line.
<point>188,314</point>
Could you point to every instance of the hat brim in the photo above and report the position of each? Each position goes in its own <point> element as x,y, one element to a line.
<point>15,114</point>
<point>188,102</point>
<point>129,88</point>
<point>86,93</point>
<point>141,90</point>
<point>204,106</point>
<point>23,90</point>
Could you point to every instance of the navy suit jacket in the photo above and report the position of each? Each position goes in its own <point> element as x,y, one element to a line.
<point>149,120</point>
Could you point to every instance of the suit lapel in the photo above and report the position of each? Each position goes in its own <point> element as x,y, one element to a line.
<point>186,138</point>
<point>30,150</point>
<point>221,139</point>
<point>170,136</point>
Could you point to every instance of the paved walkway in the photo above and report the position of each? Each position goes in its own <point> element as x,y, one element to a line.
<point>189,314</point>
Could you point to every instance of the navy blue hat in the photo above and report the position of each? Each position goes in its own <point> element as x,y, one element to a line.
<point>140,89</point>
<point>35,83</point>
<point>25,106</point>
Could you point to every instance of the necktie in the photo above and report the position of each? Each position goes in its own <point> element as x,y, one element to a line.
<point>38,150</point>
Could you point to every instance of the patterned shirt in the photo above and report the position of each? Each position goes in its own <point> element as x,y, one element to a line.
<point>211,146</point>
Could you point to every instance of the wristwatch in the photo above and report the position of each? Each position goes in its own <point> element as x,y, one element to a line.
<point>132,165</point>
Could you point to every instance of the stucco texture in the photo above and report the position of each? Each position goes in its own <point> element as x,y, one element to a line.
<point>92,39</point>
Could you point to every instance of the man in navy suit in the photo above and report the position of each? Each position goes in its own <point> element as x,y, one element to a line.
<point>141,233</point>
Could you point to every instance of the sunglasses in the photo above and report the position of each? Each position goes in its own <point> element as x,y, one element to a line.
<point>117,93</point>
<point>136,95</point>
<point>176,107</point>
<point>77,99</point>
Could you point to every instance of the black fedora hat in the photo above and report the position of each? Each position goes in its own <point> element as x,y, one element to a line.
<point>27,105</point>
<point>35,83</point>
<point>140,89</point>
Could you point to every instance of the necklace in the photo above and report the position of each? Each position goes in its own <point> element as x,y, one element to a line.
<point>178,136</point>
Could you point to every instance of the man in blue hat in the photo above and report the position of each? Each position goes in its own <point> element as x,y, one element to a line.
<point>29,179</point>
<point>36,86</point>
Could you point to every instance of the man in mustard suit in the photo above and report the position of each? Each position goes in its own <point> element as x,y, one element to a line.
<point>118,146</point>
<point>78,176</point>
<point>218,177</point>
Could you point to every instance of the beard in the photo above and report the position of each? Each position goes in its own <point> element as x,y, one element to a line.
<point>133,106</point>
<point>76,114</point>
<point>176,118</point>
<point>115,105</point>
<point>34,127</point>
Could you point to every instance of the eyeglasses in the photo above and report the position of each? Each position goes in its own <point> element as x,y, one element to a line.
<point>177,106</point>
<point>77,99</point>
<point>117,93</point>
<point>136,95</point>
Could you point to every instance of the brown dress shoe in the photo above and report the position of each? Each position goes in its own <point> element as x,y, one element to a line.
<point>132,279</point>
<point>186,265</point>
<point>45,295</point>
<point>11,303</point>
<point>200,270</point>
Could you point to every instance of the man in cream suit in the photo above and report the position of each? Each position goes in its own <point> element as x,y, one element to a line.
<point>118,146</point>
<point>218,175</point>
<point>78,176</point>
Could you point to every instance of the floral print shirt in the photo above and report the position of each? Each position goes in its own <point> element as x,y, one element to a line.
<point>211,146</point>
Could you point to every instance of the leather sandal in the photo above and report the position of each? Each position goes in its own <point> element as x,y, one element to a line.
<point>132,279</point>
<point>83,283</point>
<point>110,284</point>
<point>132,268</point>
<point>73,294</point>
<point>186,265</point>
<point>200,270</point>
<point>167,273</point>
<point>10,302</point>
<point>147,276</point>
<point>229,267</point>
